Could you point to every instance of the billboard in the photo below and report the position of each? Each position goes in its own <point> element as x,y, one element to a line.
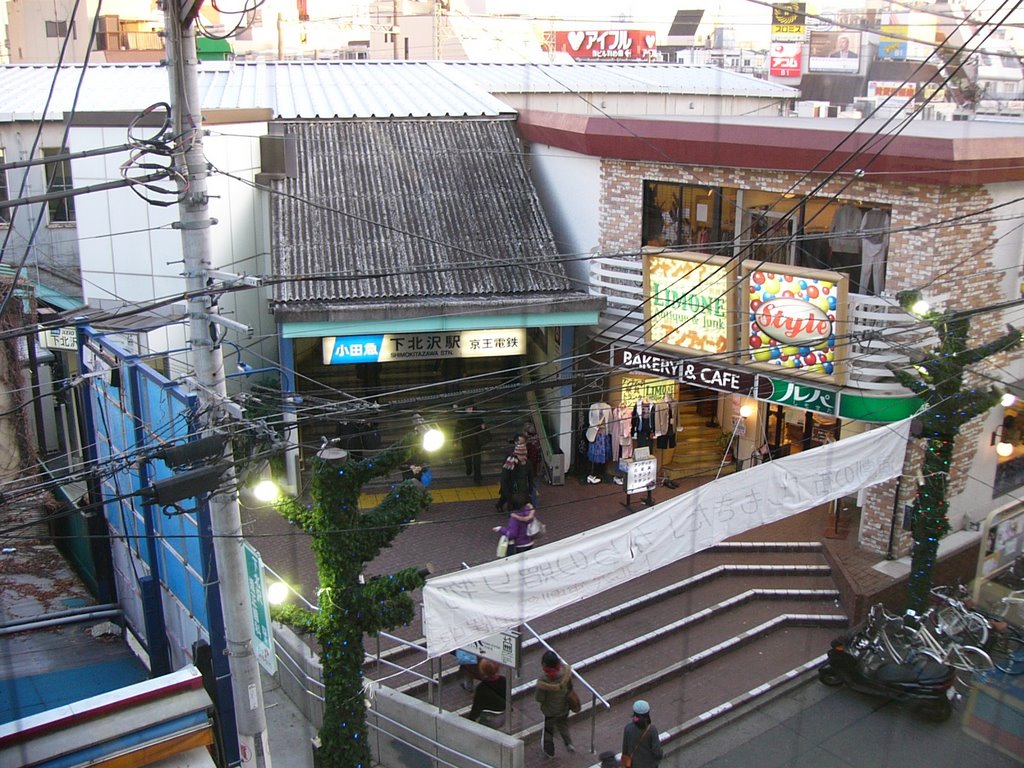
<point>784,59</point>
<point>792,319</point>
<point>616,44</point>
<point>690,301</point>
<point>788,22</point>
<point>834,52</point>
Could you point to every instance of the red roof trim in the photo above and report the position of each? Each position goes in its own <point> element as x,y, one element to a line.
<point>980,159</point>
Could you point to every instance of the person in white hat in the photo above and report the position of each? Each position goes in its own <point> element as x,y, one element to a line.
<point>641,744</point>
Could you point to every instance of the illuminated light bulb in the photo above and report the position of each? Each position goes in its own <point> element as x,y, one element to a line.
<point>266,491</point>
<point>433,439</point>
<point>920,307</point>
<point>1004,449</point>
<point>746,410</point>
<point>277,593</point>
<point>1007,400</point>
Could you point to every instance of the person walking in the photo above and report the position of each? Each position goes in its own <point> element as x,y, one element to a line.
<point>470,432</point>
<point>552,691</point>
<point>490,691</point>
<point>515,476</point>
<point>516,530</point>
<point>641,745</point>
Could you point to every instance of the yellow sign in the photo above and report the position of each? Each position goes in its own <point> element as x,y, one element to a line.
<point>788,23</point>
<point>636,388</point>
<point>689,301</point>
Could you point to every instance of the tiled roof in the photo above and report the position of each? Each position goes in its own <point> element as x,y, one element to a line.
<point>388,215</point>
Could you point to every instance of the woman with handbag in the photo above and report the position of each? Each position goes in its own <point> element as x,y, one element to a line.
<point>517,530</point>
<point>641,745</point>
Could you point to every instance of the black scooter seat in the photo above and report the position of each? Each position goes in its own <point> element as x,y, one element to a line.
<point>923,671</point>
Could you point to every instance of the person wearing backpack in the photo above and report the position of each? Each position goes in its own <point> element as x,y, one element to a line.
<point>641,744</point>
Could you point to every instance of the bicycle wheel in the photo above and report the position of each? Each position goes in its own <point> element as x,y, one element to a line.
<point>963,627</point>
<point>942,593</point>
<point>968,662</point>
<point>1007,652</point>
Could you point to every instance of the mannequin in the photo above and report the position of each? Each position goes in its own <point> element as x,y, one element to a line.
<point>642,423</point>
<point>599,448</point>
<point>666,416</point>
<point>622,441</point>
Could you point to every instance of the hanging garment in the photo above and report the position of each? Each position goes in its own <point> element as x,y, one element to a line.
<point>846,229</point>
<point>618,430</point>
<point>643,425</point>
<point>874,249</point>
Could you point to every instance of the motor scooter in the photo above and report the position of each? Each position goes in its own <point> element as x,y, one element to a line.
<point>859,661</point>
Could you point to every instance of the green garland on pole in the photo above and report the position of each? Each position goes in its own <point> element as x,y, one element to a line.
<point>938,380</point>
<point>344,540</point>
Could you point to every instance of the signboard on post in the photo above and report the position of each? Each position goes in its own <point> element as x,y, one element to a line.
<point>503,648</point>
<point>262,633</point>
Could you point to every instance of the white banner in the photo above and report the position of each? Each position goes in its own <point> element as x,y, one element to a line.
<point>464,606</point>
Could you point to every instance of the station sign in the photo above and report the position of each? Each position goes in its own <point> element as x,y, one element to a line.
<point>397,347</point>
<point>59,338</point>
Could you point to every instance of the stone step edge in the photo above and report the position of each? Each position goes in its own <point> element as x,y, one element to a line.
<point>703,657</point>
<point>706,723</point>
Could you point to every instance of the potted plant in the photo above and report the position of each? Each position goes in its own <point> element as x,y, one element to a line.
<point>728,443</point>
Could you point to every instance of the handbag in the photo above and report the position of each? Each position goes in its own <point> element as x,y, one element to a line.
<point>535,528</point>
<point>627,760</point>
<point>573,700</point>
<point>502,546</point>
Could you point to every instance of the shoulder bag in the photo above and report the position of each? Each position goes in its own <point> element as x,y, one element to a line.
<point>502,549</point>
<point>535,528</point>
<point>573,700</point>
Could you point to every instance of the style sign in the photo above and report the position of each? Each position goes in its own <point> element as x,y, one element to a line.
<point>689,301</point>
<point>393,347</point>
<point>503,648</point>
<point>791,319</point>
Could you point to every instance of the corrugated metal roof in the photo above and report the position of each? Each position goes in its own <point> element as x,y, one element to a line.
<point>419,213</point>
<point>309,89</point>
<point>609,77</point>
<point>356,89</point>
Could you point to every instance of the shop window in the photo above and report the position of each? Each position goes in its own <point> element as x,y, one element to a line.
<point>58,179</point>
<point>687,217</point>
<point>1010,468</point>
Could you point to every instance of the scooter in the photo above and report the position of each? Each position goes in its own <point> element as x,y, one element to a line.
<point>859,662</point>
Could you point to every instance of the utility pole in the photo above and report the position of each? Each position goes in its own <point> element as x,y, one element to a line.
<point>205,329</point>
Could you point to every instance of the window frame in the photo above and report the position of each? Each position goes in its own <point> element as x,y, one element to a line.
<point>60,210</point>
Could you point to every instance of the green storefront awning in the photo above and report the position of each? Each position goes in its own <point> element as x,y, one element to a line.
<point>878,408</point>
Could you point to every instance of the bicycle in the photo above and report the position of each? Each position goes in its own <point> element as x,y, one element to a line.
<point>956,620</point>
<point>903,642</point>
<point>1011,607</point>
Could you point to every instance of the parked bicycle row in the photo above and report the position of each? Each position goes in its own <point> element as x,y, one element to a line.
<point>928,660</point>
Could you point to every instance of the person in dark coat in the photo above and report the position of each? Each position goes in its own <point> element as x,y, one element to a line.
<point>641,743</point>
<point>470,433</point>
<point>490,691</point>
<point>516,480</point>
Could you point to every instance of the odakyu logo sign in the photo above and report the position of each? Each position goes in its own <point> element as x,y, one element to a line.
<point>792,320</point>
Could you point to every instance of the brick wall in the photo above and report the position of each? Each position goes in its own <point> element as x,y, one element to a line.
<point>929,249</point>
